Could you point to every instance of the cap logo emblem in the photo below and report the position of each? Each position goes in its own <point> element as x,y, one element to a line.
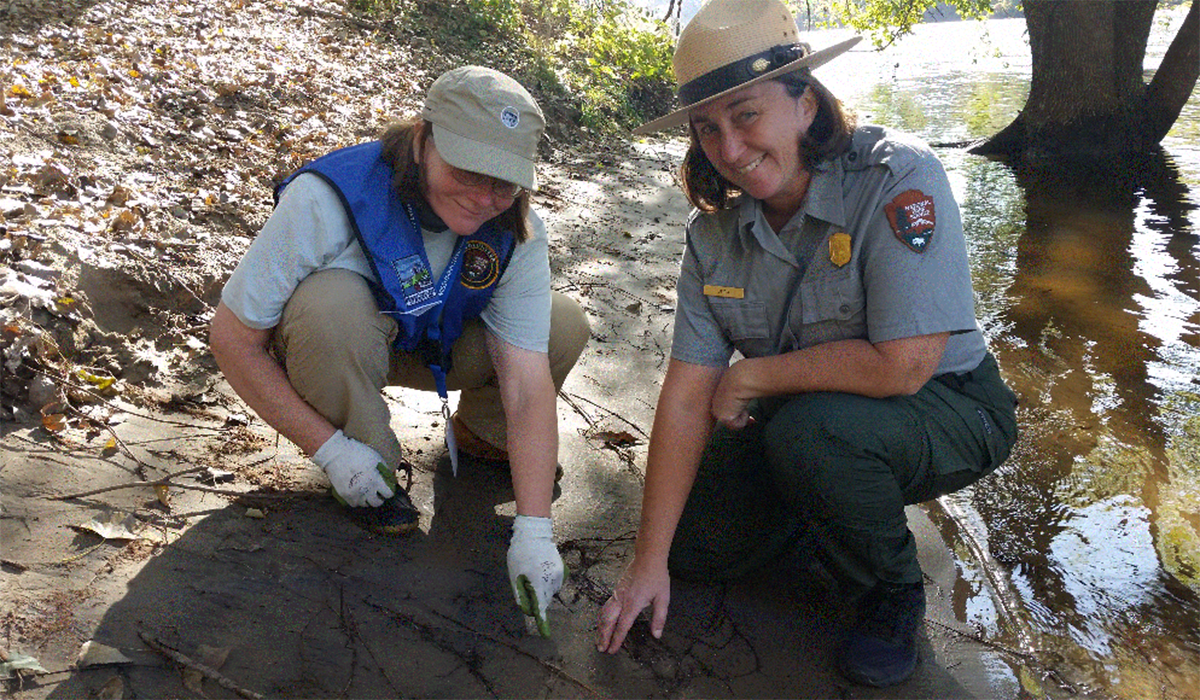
<point>760,65</point>
<point>510,117</point>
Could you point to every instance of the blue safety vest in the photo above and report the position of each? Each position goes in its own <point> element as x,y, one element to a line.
<point>430,313</point>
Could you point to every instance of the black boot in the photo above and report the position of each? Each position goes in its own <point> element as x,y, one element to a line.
<point>882,648</point>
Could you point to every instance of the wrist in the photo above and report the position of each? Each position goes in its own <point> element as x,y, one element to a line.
<point>532,526</point>
<point>329,449</point>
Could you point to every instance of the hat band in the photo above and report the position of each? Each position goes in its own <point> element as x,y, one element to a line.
<point>733,74</point>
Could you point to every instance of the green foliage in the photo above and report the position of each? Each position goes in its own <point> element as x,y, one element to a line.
<point>883,20</point>
<point>604,64</point>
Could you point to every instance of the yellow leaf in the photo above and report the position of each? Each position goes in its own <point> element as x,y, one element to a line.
<point>74,81</point>
<point>94,379</point>
<point>19,91</point>
<point>164,495</point>
<point>133,73</point>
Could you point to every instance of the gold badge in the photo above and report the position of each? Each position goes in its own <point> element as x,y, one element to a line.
<point>712,290</point>
<point>839,248</point>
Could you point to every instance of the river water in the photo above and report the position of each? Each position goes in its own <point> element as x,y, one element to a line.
<point>1080,558</point>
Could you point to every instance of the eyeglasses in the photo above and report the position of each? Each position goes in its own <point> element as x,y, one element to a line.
<point>500,188</point>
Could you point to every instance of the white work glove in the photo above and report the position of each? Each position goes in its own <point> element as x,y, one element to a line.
<point>535,569</point>
<point>357,472</point>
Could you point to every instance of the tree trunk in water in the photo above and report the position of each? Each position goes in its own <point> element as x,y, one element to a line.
<point>1175,78</point>
<point>1086,93</point>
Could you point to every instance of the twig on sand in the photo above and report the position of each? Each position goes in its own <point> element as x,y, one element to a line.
<point>556,670</point>
<point>166,481</point>
<point>200,668</point>
<point>567,397</point>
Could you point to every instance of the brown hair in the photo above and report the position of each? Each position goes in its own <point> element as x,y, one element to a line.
<point>398,141</point>
<point>828,137</point>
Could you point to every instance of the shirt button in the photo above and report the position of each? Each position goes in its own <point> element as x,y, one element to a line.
<point>852,157</point>
<point>844,308</point>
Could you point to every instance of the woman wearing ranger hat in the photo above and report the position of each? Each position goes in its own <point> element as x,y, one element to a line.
<point>415,261</point>
<point>832,259</point>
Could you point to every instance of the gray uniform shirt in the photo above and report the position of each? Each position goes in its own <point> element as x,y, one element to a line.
<point>876,253</point>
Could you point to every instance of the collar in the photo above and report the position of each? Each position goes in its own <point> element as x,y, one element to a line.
<point>824,200</point>
<point>753,224</point>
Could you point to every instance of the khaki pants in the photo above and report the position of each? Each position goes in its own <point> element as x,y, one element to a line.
<point>337,351</point>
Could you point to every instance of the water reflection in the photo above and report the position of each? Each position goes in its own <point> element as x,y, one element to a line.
<point>1092,517</point>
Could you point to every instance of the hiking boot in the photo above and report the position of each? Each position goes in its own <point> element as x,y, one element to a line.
<point>475,448</point>
<point>395,516</point>
<point>882,648</point>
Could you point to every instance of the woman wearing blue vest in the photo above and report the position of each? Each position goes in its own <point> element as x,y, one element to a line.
<point>832,258</point>
<point>414,261</point>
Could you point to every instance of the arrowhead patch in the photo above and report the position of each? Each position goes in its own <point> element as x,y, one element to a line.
<point>912,219</point>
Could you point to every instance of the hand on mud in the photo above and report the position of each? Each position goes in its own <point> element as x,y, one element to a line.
<point>535,568</point>
<point>637,589</point>
<point>357,473</point>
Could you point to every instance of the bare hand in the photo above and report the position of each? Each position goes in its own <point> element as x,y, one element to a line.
<point>728,403</point>
<point>634,592</point>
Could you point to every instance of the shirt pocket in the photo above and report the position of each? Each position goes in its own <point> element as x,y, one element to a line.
<point>830,309</point>
<point>741,319</point>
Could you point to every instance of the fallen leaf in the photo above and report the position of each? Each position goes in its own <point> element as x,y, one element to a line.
<point>213,657</point>
<point>113,689</point>
<point>93,653</point>
<point>615,439</point>
<point>111,526</point>
<point>164,494</point>
<point>53,422</point>
<point>20,662</point>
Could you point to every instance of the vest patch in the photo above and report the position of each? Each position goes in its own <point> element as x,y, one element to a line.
<point>481,265</point>
<point>912,218</point>
<point>415,280</point>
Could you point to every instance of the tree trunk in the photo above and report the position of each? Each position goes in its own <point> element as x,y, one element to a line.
<point>1175,78</point>
<point>1086,93</point>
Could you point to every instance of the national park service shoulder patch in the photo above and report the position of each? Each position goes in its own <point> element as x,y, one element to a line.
<point>912,218</point>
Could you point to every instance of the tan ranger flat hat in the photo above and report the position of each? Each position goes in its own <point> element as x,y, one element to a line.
<point>732,44</point>
<point>485,122</point>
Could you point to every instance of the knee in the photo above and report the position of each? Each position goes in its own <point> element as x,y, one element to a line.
<point>569,334</point>
<point>816,439</point>
<point>333,314</point>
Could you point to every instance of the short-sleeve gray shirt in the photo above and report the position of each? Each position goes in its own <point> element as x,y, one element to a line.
<point>876,252</point>
<point>310,230</point>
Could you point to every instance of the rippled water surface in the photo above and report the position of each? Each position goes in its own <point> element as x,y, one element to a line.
<point>1081,556</point>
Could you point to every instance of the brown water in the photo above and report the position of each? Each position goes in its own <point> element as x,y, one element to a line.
<point>1080,558</point>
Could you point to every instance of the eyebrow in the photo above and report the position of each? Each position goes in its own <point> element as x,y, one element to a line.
<point>728,108</point>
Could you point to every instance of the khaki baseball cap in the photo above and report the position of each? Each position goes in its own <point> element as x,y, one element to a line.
<point>485,122</point>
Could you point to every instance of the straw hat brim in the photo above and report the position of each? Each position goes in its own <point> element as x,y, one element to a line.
<point>813,60</point>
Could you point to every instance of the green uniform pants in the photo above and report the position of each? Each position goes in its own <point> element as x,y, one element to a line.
<point>841,467</point>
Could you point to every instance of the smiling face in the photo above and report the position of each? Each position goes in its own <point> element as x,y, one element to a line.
<point>464,207</point>
<point>752,138</point>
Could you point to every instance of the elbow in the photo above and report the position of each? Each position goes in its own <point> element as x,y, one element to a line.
<point>909,382</point>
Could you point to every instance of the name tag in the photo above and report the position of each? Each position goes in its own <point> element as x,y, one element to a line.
<point>712,290</point>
